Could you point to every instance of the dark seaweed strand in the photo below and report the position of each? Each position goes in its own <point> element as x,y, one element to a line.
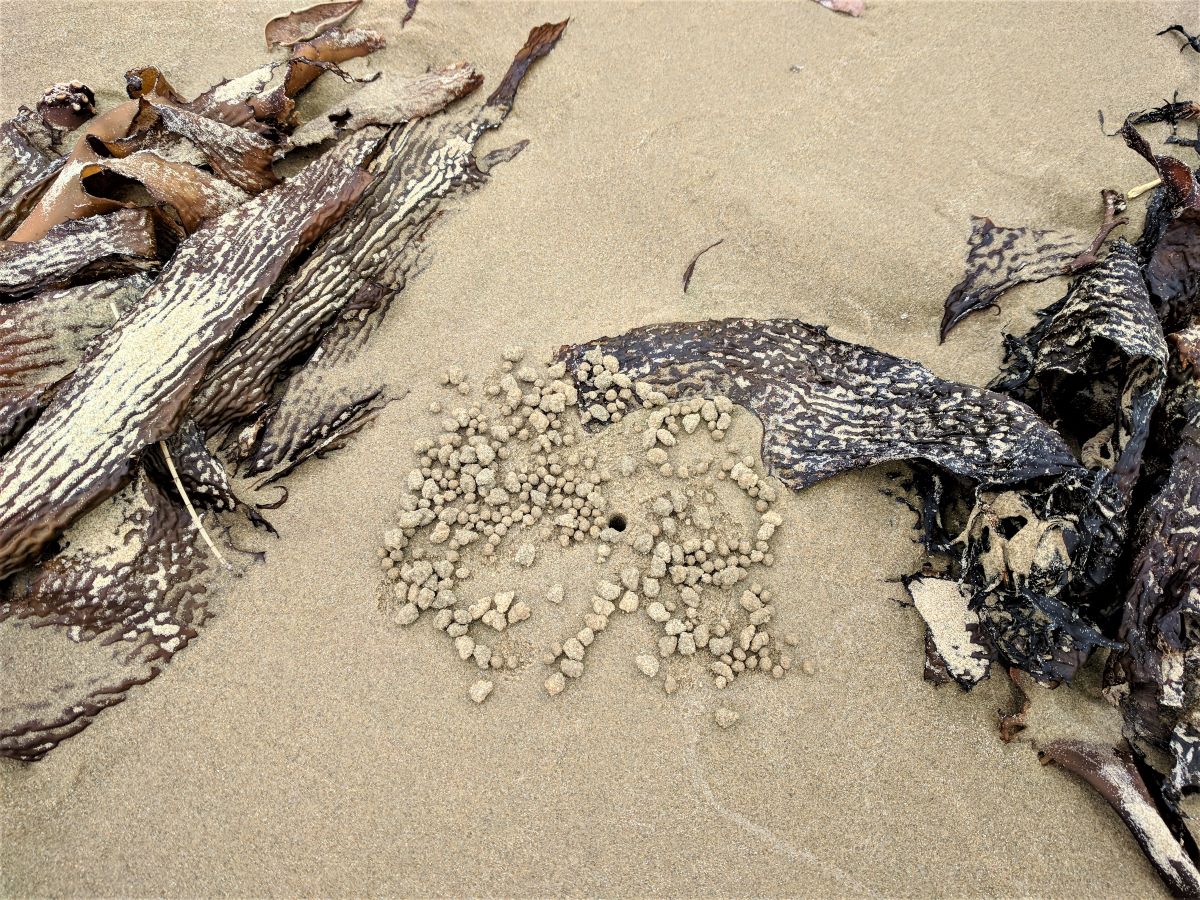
<point>371,250</point>
<point>140,377</point>
<point>828,406</point>
<point>1000,258</point>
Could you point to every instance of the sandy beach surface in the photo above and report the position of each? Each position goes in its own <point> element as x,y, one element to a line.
<point>306,745</point>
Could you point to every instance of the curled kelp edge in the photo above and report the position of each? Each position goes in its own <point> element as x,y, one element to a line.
<point>829,406</point>
<point>1112,773</point>
<point>305,24</point>
<point>1000,258</point>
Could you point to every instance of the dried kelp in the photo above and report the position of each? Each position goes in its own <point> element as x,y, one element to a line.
<point>139,378</point>
<point>128,579</point>
<point>240,156</point>
<point>305,24</point>
<point>365,260</point>
<point>390,100</point>
<point>828,406</point>
<point>1189,40</point>
<point>1113,774</point>
<point>268,93</point>
<point>115,244</point>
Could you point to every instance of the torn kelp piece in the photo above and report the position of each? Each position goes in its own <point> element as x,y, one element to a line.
<point>390,100</point>
<point>28,163</point>
<point>1113,774</point>
<point>367,258</point>
<point>305,24</point>
<point>409,11</point>
<point>1182,191</point>
<point>195,195</point>
<point>268,93</point>
<point>1000,258</point>
<point>1189,40</point>
<point>124,595</point>
<point>240,156</point>
<point>952,628</point>
<point>828,406</point>
<point>139,378</point>
<point>1094,367</point>
<point>293,434</point>
<point>691,266</point>
<point>100,246</point>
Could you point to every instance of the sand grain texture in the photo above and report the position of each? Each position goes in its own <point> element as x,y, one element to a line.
<point>304,745</point>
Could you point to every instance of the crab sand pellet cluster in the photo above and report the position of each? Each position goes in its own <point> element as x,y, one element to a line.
<point>518,468</point>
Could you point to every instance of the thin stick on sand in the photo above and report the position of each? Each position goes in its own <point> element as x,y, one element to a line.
<point>187,501</point>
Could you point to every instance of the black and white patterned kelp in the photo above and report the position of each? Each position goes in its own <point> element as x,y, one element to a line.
<point>1061,506</point>
<point>123,309</point>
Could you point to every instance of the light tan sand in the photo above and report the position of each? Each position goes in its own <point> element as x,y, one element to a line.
<point>304,745</point>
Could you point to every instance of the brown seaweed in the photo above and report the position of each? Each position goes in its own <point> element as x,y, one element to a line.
<point>305,24</point>
<point>195,195</point>
<point>140,377</point>
<point>1189,40</point>
<point>828,406</point>
<point>390,100</point>
<point>127,583</point>
<point>691,266</point>
<point>352,274</point>
<point>240,156</point>
<point>1114,775</point>
<point>954,641</point>
<point>100,246</point>
<point>999,259</point>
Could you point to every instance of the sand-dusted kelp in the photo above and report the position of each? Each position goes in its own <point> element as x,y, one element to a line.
<point>829,406</point>
<point>140,378</point>
<point>305,24</point>
<point>390,100</point>
<point>131,352</point>
<point>348,281</point>
<point>119,243</point>
<point>128,581</point>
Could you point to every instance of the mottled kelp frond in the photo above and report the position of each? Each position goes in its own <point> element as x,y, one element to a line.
<point>141,376</point>
<point>97,247</point>
<point>828,406</point>
<point>366,259</point>
<point>128,579</point>
<point>1000,258</point>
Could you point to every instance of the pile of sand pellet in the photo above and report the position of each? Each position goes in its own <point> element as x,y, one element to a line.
<point>681,520</point>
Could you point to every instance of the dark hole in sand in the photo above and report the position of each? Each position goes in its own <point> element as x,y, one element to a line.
<point>616,522</point>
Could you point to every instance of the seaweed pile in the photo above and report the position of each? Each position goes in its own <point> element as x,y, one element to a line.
<point>175,317</point>
<point>1060,508</point>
